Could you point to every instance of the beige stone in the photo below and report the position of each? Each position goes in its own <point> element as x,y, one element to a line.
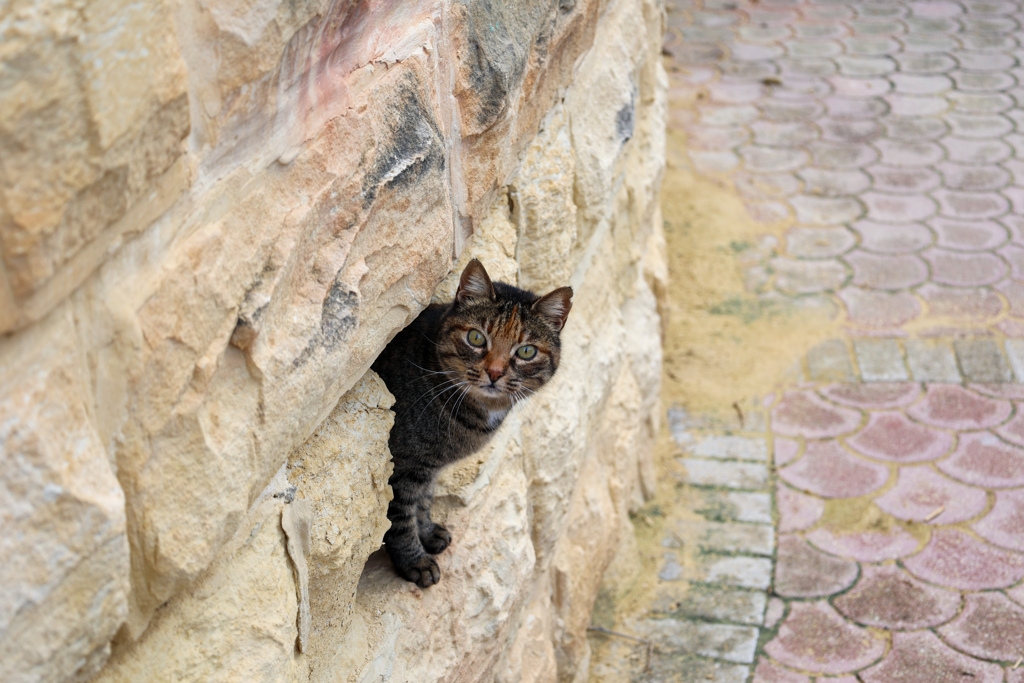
<point>64,576</point>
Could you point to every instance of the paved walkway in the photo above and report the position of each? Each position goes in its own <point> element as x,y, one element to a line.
<point>869,526</point>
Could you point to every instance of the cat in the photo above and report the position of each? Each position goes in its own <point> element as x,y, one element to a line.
<point>455,372</point>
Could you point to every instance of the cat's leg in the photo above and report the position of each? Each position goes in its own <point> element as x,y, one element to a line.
<point>402,540</point>
<point>434,537</point>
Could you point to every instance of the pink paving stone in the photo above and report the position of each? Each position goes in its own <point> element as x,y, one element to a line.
<point>920,492</point>
<point>834,183</point>
<point>935,10</point>
<point>854,107</point>
<point>819,242</point>
<point>957,560</point>
<point>815,638</point>
<point>968,235</point>
<point>891,436</point>
<point>879,309</point>
<point>922,658</point>
<point>826,469</point>
<point>978,127</point>
<point>920,84</point>
<point>767,212</point>
<point>891,239</point>
<point>904,179</point>
<point>965,270</point>
<point>1004,524</point>
<point>971,177</point>
<point>971,205</point>
<point>1011,391</point>
<point>916,105</point>
<point>825,210</point>
<point>776,610</point>
<point>802,413</point>
<point>874,394</point>
<point>866,546</point>
<point>887,597</point>
<point>768,671</point>
<point>715,137</point>
<point>990,627</point>
<point>766,185</point>
<point>859,87</point>
<point>1017,594</point>
<point>797,511</point>
<point>1014,255</point>
<point>985,61</point>
<point>800,276</point>
<point>735,93</point>
<point>802,571</point>
<point>785,450</point>
<point>839,155</point>
<point>1014,293</point>
<point>982,459</point>
<point>892,208</point>
<point>1013,329</point>
<point>953,407</point>
<point>1012,431</point>
<point>850,131</point>
<point>976,151</point>
<point>908,152</point>
<point>751,52</point>
<point>975,304</point>
<point>878,271</point>
<point>1015,674</point>
<point>760,159</point>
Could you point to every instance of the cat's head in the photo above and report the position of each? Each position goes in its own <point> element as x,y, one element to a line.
<point>502,340</point>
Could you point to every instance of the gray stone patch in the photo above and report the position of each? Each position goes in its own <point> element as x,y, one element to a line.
<point>880,360</point>
<point>733,475</point>
<point>830,361</point>
<point>931,361</point>
<point>732,448</point>
<point>982,360</point>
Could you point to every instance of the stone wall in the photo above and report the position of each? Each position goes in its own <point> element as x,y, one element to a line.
<point>213,216</point>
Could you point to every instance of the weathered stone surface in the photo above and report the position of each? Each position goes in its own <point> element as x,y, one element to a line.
<point>212,218</point>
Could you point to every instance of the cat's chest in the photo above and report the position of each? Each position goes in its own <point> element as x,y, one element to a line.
<point>495,417</point>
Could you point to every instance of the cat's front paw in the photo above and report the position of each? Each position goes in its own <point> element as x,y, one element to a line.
<point>437,540</point>
<point>424,572</point>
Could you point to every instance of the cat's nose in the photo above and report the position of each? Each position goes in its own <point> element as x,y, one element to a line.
<point>495,372</point>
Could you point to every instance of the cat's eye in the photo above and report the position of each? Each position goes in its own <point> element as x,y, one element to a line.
<point>526,352</point>
<point>476,338</point>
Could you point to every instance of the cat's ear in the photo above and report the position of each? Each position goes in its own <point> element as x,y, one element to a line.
<point>555,306</point>
<point>474,283</point>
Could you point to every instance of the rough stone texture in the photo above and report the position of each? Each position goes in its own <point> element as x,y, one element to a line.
<point>212,218</point>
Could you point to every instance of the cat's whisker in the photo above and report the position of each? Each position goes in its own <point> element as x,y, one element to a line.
<point>455,386</point>
<point>435,388</point>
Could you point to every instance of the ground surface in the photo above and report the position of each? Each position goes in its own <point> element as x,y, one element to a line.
<point>844,499</point>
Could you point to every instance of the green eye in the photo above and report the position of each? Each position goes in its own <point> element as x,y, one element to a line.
<point>526,352</point>
<point>476,338</point>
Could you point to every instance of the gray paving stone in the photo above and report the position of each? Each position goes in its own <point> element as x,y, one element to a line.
<point>728,537</point>
<point>728,474</point>
<point>880,360</point>
<point>982,360</point>
<point>737,506</point>
<point>1015,354</point>
<point>732,570</point>
<point>713,603</point>
<point>830,361</point>
<point>732,448</point>
<point>931,361</point>
<point>732,643</point>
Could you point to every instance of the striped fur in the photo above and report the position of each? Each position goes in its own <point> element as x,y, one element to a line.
<point>452,394</point>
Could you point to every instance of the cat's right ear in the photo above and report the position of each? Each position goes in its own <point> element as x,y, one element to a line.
<point>474,283</point>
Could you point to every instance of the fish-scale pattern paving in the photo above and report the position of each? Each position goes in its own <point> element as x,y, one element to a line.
<point>895,121</point>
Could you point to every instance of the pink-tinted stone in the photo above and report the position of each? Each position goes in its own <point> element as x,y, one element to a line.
<point>984,460</point>
<point>785,450</point>
<point>953,407</point>
<point>802,571</point>
<point>892,239</point>
<point>815,638</point>
<point>1015,674</point>
<point>865,546</point>
<point>768,671</point>
<point>891,208</point>
<point>878,271</point>
<point>873,395</point>
<point>1017,594</point>
<point>887,597</point>
<point>879,309</point>
<point>965,270</point>
<point>775,610</point>
<point>1012,391</point>
<point>891,436</point>
<point>958,560</point>
<point>922,658</point>
<point>920,492</point>
<point>797,511</point>
<point>1004,524</point>
<point>1014,293</point>
<point>830,471</point>
<point>1014,255</point>
<point>971,177</point>
<point>968,235</point>
<point>990,627</point>
<point>802,413</point>
<point>1013,431</point>
<point>974,304</point>
<point>904,179</point>
<point>906,153</point>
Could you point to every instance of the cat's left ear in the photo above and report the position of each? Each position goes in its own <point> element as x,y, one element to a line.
<point>555,306</point>
<point>474,283</point>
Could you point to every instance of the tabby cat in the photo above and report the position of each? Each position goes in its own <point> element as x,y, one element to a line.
<point>455,372</point>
